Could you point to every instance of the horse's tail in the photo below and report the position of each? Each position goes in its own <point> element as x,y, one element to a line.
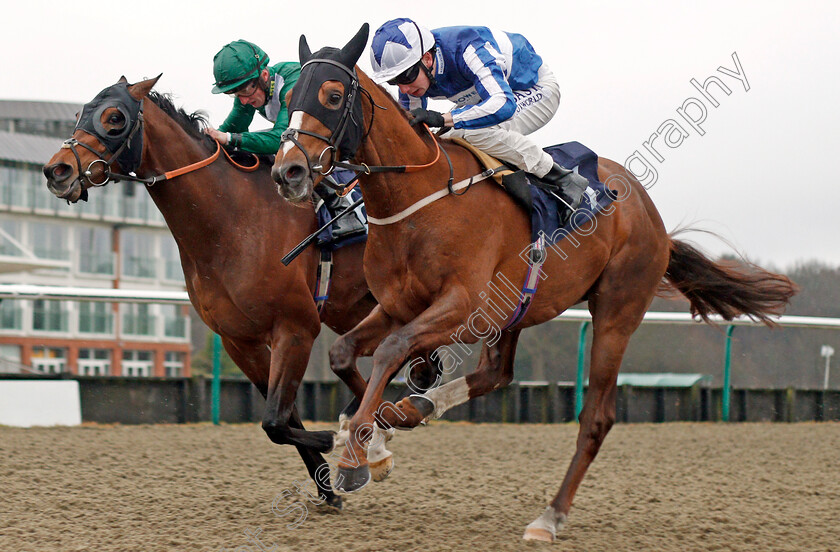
<point>727,288</point>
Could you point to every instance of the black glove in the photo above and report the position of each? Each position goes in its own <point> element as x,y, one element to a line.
<point>431,118</point>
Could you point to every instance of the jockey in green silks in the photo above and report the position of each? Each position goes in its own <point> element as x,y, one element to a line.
<point>242,70</point>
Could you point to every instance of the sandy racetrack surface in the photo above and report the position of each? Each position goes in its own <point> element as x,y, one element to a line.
<point>464,487</point>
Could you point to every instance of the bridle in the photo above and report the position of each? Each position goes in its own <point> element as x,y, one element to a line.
<point>109,175</point>
<point>120,146</point>
<point>338,136</point>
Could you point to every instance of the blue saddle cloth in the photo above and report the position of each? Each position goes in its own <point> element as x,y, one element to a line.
<point>545,217</point>
<point>326,240</point>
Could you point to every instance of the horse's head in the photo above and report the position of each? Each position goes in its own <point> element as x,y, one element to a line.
<point>109,132</point>
<point>326,122</point>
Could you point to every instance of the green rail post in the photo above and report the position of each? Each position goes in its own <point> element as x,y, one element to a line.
<point>580,368</point>
<point>727,373</point>
<point>217,374</point>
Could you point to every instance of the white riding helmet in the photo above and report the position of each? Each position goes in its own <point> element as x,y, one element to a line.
<point>397,45</point>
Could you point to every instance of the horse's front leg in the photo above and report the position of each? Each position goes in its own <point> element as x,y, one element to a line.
<point>431,329</point>
<point>362,341</point>
<point>344,353</point>
<point>290,349</point>
<point>254,359</point>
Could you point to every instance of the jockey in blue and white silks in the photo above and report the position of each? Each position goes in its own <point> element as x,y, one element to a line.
<point>501,88</point>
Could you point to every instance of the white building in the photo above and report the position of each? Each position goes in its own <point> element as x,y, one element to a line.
<point>117,240</point>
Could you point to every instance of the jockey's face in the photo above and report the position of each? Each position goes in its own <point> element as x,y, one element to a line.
<point>254,95</point>
<point>421,84</point>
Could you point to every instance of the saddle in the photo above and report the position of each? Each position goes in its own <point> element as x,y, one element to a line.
<point>539,200</point>
<point>514,181</point>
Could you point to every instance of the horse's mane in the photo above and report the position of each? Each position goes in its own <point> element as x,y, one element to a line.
<point>192,123</point>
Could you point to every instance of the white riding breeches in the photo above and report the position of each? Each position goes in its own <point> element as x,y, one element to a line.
<point>506,141</point>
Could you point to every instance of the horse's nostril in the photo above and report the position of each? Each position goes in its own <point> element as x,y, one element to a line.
<point>294,173</point>
<point>58,172</point>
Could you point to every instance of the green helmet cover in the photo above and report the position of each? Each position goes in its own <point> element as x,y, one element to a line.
<point>237,63</point>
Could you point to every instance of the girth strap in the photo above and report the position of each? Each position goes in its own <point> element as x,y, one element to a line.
<point>532,279</point>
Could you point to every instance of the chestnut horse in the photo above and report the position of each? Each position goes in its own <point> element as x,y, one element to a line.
<point>231,228</point>
<point>431,267</point>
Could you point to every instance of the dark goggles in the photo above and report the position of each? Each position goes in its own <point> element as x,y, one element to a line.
<point>408,76</point>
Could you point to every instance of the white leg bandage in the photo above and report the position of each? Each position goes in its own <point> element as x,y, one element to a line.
<point>448,395</point>
<point>376,446</point>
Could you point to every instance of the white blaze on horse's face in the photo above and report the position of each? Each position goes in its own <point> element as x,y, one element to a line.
<point>294,123</point>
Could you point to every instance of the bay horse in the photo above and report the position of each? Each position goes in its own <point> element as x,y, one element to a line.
<point>231,228</point>
<point>431,265</point>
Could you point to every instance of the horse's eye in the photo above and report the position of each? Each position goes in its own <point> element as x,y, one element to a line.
<point>117,123</point>
<point>335,98</point>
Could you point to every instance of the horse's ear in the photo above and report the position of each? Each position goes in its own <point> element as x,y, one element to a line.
<point>139,90</point>
<point>352,51</point>
<point>122,80</point>
<point>303,50</point>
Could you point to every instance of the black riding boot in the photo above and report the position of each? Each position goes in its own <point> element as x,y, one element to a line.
<point>570,184</point>
<point>349,224</point>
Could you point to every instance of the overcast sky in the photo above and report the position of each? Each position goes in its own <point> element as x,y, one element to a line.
<point>760,174</point>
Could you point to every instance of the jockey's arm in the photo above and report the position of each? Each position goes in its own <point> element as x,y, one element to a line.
<point>498,102</point>
<point>261,142</point>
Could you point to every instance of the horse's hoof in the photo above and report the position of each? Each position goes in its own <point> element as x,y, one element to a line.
<point>350,480</point>
<point>409,412</point>
<point>381,469</point>
<point>538,534</point>
<point>545,527</point>
<point>423,405</point>
<point>331,505</point>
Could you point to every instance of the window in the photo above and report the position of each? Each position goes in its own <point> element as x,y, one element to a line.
<point>173,364</point>
<point>48,316</point>
<point>171,259</point>
<point>50,241</point>
<point>10,359</point>
<point>10,238</point>
<point>111,198</point>
<point>133,200</point>
<point>138,254</point>
<point>11,315</point>
<point>20,187</point>
<point>43,198</point>
<point>96,251</point>
<point>5,185</point>
<point>96,318</point>
<point>137,363</point>
<point>49,360</point>
<point>174,323</point>
<point>138,320</point>
<point>94,362</point>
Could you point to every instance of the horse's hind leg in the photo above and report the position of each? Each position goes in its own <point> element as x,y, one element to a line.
<point>422,374</point>
<point>494,371</point>
<point>617,308</point>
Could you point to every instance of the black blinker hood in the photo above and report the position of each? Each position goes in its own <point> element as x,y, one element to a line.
<point>131,142</point>
<point>305,98</point>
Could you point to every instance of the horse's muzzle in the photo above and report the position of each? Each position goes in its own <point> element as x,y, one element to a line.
<point>62,181</point>
<point>293,181</point>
